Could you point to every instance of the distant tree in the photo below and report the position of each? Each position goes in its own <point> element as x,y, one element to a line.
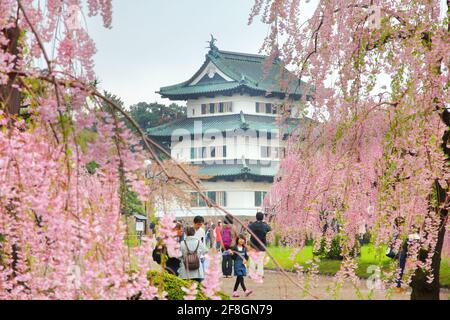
<point>149,115</point>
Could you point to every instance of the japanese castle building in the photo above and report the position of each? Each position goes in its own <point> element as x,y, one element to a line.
<point>232,131</point>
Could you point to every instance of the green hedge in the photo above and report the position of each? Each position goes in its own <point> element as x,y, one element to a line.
<point>172,285</point>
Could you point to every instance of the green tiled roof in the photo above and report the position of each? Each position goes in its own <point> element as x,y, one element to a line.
<point>240,170</point>
<point>203,88</point>
<point>248,73</point>
<point>224,123</point>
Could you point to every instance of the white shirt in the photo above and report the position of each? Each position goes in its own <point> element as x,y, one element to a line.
<point>200,235</point>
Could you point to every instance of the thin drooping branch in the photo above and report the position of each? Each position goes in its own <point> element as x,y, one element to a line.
<point>150,146</point>
<point>198,189</point>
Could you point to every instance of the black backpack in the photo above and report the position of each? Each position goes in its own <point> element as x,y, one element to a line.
<point>191,259</point>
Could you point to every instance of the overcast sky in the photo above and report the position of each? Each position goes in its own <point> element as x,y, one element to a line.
<point>156,43</point>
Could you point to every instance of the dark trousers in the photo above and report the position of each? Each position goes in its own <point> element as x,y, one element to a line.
<point>402,265</point>
<point>239,281</point>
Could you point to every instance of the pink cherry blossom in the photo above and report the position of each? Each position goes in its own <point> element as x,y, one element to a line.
<point>211,283</point>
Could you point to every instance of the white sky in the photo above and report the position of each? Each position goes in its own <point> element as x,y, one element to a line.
<point>155,43</point>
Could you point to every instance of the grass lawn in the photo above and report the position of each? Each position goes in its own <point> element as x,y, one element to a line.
<point>330,267</point>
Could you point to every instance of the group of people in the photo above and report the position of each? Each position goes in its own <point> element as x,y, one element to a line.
<point>197,239</point>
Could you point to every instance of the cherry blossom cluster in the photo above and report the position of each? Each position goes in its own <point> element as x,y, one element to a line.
<point>377,148</point>
<point>63,234</point>
<point>211,283</point>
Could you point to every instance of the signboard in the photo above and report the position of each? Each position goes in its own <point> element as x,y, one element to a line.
<point>139,226</point>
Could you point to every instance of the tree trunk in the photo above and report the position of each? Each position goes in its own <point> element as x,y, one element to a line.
<point>421,289</point>
<point>10,95</point>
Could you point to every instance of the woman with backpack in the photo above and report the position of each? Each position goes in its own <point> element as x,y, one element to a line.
<point>226,235</point>
<point>191,251</point>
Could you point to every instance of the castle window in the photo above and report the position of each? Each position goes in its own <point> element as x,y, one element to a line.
<point>208,152</point>
<point>201,202</point>
<point>228,107</point>
<point>197,200</point>
<point>219,107</point>
<point>265,152</point>
<point>219,197</point>
<point>259,198</point>
<point>265,108</point>
<point>211,196</point>
<point>194,199</point>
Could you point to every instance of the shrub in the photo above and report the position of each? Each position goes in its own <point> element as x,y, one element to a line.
<point>276,240</point>
<point>309,241</point>
<point>335,250</point>
<point>172,285</point>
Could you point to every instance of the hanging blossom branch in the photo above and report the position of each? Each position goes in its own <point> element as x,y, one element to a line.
<point>71,246</point>
<point>124,161</point>
<point>390,155</point>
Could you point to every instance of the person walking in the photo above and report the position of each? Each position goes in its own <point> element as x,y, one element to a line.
<point>218,235</point>
<point>207,234</point>
<point>260,229</point>
<point>200,234</point>
<point>191,251</point>
<point>227,259</point>
<point>240,257</point>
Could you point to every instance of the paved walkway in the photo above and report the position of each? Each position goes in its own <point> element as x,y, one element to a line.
<point>277,287</point>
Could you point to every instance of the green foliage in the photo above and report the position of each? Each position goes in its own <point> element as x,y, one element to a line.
<point>335,250</point>
<point>369,256</point>
<point>132,205</point>
<point>276,241</point>
<point>148,115</point>
<point>172,285</point>
<point>85,137</point>
<point>92,166</point>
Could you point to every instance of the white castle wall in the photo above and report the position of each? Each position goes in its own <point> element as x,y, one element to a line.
<point>244,103</point>
<point>245,144</point>
<point>240,199</point>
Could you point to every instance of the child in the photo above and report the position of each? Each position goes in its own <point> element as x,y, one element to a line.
<point>240,258</point>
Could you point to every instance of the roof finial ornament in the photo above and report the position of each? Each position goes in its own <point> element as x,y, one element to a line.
<point>212,44</point>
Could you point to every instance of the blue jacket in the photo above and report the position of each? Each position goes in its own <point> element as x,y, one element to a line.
<point>239,267</point>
